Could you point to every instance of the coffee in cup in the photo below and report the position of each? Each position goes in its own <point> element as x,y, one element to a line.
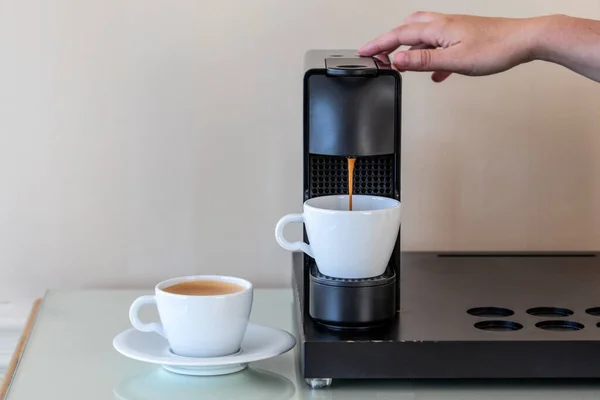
<point>346,244</point>
<point>204,288</point>
<point>200,316</point>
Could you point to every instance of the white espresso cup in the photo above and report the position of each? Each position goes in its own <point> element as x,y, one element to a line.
<point>198,325</point>
<point>347,244</point>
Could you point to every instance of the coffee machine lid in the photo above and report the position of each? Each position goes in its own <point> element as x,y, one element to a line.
<point>357,66</point>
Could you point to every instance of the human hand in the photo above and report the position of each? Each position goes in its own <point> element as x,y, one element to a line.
<point>467,45</point>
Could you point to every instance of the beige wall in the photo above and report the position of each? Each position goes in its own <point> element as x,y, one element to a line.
<point>142,139</point>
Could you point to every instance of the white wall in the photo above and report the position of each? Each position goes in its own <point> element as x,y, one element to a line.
<point>143,139</point>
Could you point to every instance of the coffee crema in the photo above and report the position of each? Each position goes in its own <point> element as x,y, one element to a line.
<point>351,162</point>
<point>204,288</point>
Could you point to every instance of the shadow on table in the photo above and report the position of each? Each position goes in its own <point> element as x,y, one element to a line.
<point>245,385</point>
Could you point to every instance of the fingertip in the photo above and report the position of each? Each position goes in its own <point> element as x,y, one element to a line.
<point>368,49</point>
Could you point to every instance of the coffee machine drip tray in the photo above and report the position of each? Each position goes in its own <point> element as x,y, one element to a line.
<point>316,276</point>
<point>503,315</point>
<point>357,304</point>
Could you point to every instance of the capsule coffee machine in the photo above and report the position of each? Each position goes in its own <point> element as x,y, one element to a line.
<point>430,315</point>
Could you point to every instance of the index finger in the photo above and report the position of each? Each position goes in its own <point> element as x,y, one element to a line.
<point>405,35</point>
<point>385,43</point>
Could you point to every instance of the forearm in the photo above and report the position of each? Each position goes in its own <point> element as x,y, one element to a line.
<point>571,42</point>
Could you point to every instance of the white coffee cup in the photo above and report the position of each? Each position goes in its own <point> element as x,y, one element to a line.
<point>198,325</point>
<point>347,244</point>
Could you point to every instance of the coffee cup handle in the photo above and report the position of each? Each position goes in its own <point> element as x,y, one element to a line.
<point>135,320</point>
<point>291,246</point>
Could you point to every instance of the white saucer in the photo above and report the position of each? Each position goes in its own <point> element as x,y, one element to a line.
<point>260,342</point>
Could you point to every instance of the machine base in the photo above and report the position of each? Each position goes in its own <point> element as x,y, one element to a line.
<point>352,304</point>
<point>469,316</point>
<point>319,383</point>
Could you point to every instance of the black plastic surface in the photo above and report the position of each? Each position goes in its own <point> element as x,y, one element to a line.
<point>352,116</point>
<point>389,276</point>
<point>317,59</point>
<point>359,304</point>
<point>372,175</point>
<point>433,336</point>
<point>356,66</point>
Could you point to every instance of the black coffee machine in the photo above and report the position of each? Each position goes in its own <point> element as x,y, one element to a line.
<point>430,315</point>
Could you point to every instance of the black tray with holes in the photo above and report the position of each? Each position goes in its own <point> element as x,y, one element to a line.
<point>471,315</point>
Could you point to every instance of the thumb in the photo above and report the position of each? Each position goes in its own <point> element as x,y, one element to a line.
<point>424,60</point>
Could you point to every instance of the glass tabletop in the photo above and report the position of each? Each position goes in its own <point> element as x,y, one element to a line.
<point>69,355</point>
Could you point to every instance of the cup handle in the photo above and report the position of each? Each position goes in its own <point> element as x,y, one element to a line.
<point>135,320</point>
<point>291,246</point>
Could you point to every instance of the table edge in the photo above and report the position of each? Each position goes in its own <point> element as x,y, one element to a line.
<point>18,353</point>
